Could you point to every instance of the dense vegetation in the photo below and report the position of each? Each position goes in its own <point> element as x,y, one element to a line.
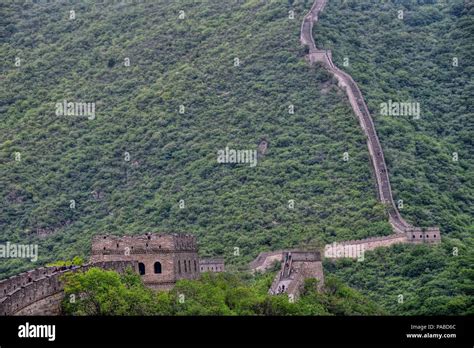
<point>173,155</point>
<point>414,280</point>
<point>99,292</point>
<point>411,60</point>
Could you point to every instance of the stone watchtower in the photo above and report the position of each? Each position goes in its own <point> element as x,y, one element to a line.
<point>211,265</point>
<point>430,235</point>
<point>162,258</point>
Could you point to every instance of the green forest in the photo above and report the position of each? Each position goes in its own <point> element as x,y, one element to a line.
<point>175,82</point>
<point>424,58</point>
<point>99,292</point>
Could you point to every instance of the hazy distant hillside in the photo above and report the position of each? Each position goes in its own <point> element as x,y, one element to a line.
<point>228,74</point>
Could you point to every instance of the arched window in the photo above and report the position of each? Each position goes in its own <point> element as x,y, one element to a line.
<point>185,267</point>
<point>141,268</point>
<point>179,266</point>
<point>195,266</point>
<point>157,267</point>
<point>189,265</point>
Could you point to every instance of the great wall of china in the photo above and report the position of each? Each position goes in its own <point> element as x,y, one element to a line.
<point>379,167</point>
<point>296,266</point>
<point>40,291</point>
<point>404,232</point>
<point>346,82</point>
<point>160,259</point>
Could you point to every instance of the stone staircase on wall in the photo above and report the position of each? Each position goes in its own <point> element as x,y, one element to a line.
<point>352,248</point>
<point>404,232</point>
<point>296,266</point>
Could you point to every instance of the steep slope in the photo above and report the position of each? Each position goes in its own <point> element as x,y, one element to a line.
<point>173,155</point>
<point>356,99</point>
<point>421,54</point>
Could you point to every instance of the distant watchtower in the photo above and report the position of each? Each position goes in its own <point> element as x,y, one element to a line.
<point>162,258</point>
<point>211,265</point>
<point>418,235</point>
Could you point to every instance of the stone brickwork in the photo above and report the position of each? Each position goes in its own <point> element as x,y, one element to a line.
<point>162,258</point>
<point>356,99</point>
<point>297,266</point>
<point>266,260</point>
<point>353,248</point>
<point>430,235</point>
<point>39,292</point>
<point>50,305</point>
<point>357,248</point>
<point>211,265</point>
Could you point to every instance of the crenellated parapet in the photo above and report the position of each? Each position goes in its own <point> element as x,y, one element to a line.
<point>357,248</point>
<point>211,265</point>
<point>13,283</point>
<point>418,235</point>
<point>356,99</point>
<point>143,244</point>
<point>373,239</point>
<point>20,292</point>
<point>162,259</point>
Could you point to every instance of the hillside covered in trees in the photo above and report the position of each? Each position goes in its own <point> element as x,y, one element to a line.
<point>175,82</point>
<point>422,54</point>
<point>99,292</point>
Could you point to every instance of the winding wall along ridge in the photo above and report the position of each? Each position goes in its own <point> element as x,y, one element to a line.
<point>405,232</point>
<point>384,191</point>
